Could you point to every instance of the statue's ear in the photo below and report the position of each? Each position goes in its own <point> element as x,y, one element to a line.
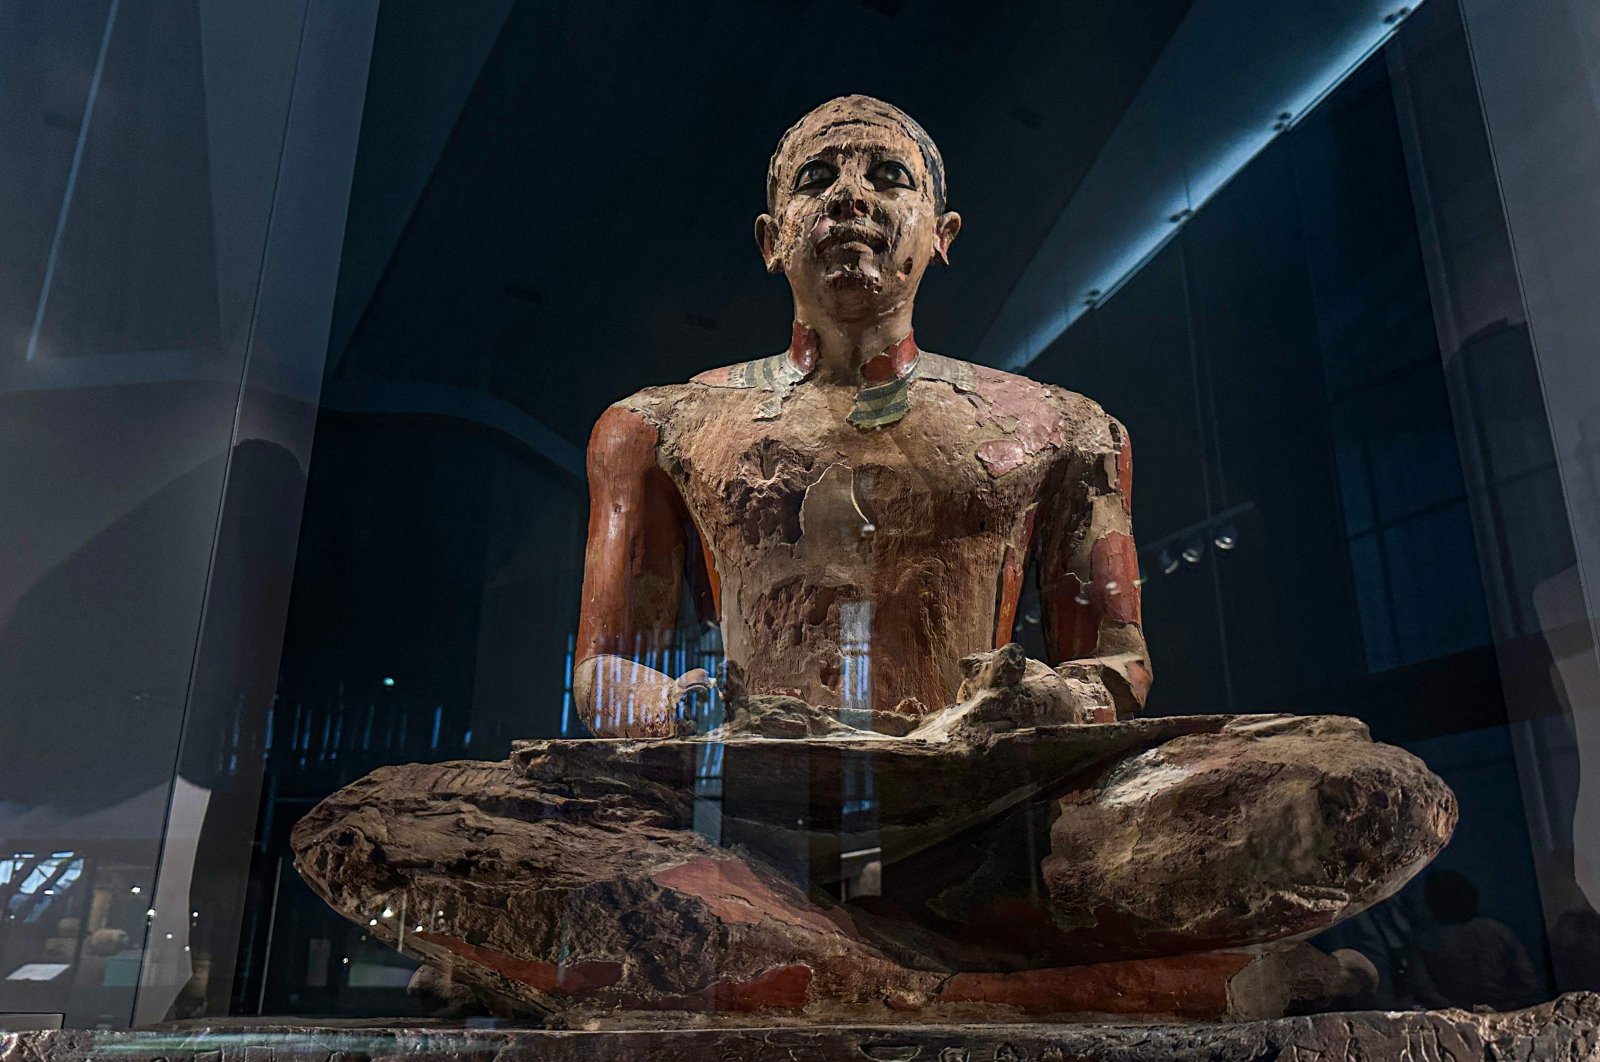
<point>944,234</point>
<point>767,240</point>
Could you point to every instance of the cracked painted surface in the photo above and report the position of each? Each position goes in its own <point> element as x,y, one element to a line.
<point>930,519</point>
<point>855,473</point>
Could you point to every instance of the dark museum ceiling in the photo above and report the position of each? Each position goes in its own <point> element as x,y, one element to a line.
<point>555,206</point>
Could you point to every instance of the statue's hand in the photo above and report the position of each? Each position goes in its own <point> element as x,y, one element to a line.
<point>697,679</point>
<point>1006,687</point>
<point>627,699</point>
<point>1005,690</point>
<point>1086,681</point>
<point>1118,684</point>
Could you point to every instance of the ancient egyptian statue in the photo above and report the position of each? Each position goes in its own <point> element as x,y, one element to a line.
<point>855,490</point>
<point>902,816</point>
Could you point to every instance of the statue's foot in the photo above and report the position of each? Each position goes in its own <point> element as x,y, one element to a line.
<point>586,897</point>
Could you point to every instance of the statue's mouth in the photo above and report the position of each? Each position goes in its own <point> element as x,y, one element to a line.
<point>829,234</point>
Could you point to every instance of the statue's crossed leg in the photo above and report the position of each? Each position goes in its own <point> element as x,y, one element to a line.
<point>1142,885</point>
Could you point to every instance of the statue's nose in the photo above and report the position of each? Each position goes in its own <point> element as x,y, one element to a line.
<point>848,202</point>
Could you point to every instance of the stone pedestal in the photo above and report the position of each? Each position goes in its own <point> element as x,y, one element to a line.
<point>1567,1030</point>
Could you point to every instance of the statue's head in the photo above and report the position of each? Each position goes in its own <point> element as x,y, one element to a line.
<point>855,207</point>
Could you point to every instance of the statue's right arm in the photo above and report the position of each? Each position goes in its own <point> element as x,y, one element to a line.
<point>632,576</point>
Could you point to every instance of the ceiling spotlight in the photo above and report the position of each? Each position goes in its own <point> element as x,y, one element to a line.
<point>1194,551</point>
<point>1167,562</point>
<point>1227,538</point>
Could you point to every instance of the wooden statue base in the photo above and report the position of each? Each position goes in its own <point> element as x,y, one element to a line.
<point>1567,1028</point>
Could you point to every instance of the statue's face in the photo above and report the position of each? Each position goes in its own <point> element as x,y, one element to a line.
<point>856,223</point>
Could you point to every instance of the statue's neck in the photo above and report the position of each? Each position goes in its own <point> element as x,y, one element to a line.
<point>870,356</point>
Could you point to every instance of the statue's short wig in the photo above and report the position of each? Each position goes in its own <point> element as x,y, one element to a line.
<point>861,110</point>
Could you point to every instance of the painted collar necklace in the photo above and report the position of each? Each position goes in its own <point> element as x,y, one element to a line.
<point>885,395</point>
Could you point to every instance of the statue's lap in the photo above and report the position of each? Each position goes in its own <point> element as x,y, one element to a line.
<point>698,874</point>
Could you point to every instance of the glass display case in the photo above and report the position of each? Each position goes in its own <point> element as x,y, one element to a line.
<point>463,592</point>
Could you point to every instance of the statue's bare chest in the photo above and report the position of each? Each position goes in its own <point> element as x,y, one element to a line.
<point>947,469</point>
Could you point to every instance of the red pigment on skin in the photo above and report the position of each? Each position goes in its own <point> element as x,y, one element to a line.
<point>781,988</point>
<point>575,979</point>
<point>1140,679</point>
<point>1076,624</point>
<point>1193,986</point>
<point>1012,569</point>
<point>1020,408</point>
<point>736,896</point>
<point>1113,559</point>
<point>877,370</point>
<point>893,363</point>
<point>803,347</point>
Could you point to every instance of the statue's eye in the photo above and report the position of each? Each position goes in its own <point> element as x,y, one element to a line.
<point>893,174</point>
<point>814,176</point>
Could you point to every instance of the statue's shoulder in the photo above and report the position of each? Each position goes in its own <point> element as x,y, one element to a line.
<point>1083,410</point>
<point>1008,389</point>
<point>1072,420</point>
<point>669,408</point>
<point>654,404</point>
<point>774,372</point>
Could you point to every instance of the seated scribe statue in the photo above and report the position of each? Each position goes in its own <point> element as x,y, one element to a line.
<point>902,816</point>
<point>854,493</point>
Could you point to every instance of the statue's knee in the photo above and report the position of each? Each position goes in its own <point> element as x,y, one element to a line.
<point>1280,822</point>
<point>1352,818</point>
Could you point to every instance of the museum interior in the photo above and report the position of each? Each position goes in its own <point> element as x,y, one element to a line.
<point>310,307</point>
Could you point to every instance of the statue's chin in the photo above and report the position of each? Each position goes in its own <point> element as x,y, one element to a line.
<point>856,278</point>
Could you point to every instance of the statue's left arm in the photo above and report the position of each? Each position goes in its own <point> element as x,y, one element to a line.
<point>1089,572</point>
